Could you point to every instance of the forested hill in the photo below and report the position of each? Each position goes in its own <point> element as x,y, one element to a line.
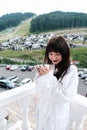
<point>47,22</point>
<point>58,20</point>
<point>13,19</point>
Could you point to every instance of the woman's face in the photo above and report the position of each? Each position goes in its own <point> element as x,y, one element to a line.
<point>55,57</point>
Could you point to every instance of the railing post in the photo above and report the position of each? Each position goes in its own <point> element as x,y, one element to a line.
<point>25,121</point>
<point>24,103</point>
<point>78,122</point>
<point>3,121</point>
<point>78,111</point>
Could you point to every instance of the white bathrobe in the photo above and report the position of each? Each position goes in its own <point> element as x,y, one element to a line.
<point>54,101</point>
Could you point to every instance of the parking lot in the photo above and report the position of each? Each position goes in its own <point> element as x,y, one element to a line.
<point>82,87</point>
<point>20,74</point>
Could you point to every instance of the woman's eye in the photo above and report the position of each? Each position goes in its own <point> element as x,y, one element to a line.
<point>50,54</point>
<point>57,54</point>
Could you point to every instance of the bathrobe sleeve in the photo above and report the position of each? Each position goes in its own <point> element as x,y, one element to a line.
<point>66,89</point>
<point>43,82</point>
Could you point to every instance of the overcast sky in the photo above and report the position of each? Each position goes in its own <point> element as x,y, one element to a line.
<point>42,6</point>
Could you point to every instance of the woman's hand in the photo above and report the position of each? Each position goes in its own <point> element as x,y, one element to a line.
<point>42,70</point>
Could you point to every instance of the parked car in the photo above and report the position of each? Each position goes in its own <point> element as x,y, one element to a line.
<point>86,82</point>
<point>83,76</point>
<point>24,67</point>
<point>8,67</point>
<point>86,79</point>
<point>13,79</point>
<point>6,84</point>
<point>24,81</point>
<point>13,67</point>
<point>2,77</point>
<point>81,72</point>
<point>30,68</point>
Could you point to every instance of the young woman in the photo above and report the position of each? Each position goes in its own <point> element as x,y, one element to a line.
<point>57,83</point>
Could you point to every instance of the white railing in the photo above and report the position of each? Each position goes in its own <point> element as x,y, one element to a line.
<point>23,96</point>
<point>79,112</point>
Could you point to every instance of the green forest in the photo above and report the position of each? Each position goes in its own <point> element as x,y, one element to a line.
<point>13,19</point>
<point>47,22</point>
<point>58,20</point>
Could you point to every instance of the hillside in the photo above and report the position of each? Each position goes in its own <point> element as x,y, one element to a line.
<point>23,30</point>
<point>20,30</point>
<point>58,20</point>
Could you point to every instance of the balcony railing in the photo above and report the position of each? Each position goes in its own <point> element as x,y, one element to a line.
<point>22,96</point>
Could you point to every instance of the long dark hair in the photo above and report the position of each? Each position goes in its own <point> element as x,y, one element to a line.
<point>58,44</point>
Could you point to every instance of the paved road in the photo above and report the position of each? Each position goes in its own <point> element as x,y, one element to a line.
<point>82,88</point>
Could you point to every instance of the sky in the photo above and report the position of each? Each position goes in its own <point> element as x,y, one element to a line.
<point>42,6</point>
